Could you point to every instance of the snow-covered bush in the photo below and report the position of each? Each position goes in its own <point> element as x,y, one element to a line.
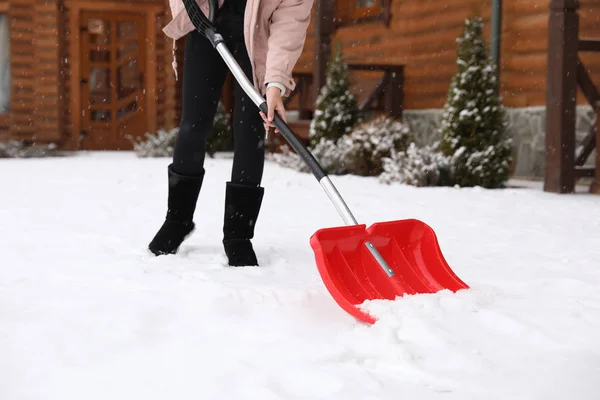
<point>18,149</point>
<point>334,155</point>
<point>162,144</point>
<point>473,124</point>
<point>287,158</point>
<point>331,154</point>
<point>372,141</point>
<point>359,153</point>
<point>336,108</point>
<point>417,166</point>
<point>159,145</point>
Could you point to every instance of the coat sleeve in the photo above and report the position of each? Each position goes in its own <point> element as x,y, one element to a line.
<point>289,23</point>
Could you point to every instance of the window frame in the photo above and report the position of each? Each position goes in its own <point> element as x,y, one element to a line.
<point>366,12</point>
<point>5,116</point>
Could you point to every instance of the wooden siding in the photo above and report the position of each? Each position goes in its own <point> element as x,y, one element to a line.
<point>35,81</point>
<point>48,79</point>
<point>22,66</point>
<point>422,35</point>
<point>42,35</point>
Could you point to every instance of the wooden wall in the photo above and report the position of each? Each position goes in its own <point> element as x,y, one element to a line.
<point>35,82</point>
<point>41,70</point>
<point>49,88</point>
<point>525,40</point>
<point>422,35</point>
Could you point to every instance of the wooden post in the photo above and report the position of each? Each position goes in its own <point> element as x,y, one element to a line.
<point>595,187</point>
<point>324,29</point>
<point>561,88</point>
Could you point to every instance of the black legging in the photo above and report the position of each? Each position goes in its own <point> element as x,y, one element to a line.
<point>204,76</point>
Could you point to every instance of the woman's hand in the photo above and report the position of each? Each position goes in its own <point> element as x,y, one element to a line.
<point>275,104</point>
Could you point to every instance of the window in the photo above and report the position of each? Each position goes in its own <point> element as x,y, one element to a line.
<point>356,11</point>
<point>365,3</point>
<point>366,8</point>
<point>4,65</point>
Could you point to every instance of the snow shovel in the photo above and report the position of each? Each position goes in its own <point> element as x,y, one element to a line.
<point>356,263</point>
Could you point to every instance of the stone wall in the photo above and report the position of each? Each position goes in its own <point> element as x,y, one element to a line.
<point>526,126</point>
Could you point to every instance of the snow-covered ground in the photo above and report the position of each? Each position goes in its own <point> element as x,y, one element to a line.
<point>87,313</point>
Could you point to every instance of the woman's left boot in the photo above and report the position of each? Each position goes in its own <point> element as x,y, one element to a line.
<point>242,205</point>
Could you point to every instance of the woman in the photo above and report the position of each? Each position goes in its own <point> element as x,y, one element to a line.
<point>267,38</point>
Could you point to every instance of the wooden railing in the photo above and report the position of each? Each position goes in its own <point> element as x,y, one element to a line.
<point>566,74</point>
<point>592,95</point>
<point>387,96</point>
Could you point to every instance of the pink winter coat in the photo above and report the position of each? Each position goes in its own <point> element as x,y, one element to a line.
<point>274,31</point>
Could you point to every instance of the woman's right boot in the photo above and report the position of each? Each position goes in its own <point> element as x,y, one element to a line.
<point>183,195</point>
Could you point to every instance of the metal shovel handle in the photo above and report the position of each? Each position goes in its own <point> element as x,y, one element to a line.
<point>206,26</point>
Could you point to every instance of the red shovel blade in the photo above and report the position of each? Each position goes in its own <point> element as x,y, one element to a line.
<point>352,275</point>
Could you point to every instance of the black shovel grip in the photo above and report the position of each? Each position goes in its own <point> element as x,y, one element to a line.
<point>200,21</point>
<point>296,144</point>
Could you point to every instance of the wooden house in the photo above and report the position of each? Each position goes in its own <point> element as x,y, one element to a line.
<point>419,37</point>
<point>85,73</point>
<point>88,73</point>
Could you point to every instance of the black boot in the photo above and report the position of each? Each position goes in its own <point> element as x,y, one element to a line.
<point>183,195</point>
<point>242,205</point>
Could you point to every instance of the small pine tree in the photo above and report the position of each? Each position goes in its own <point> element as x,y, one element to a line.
<point>336,110</point>
<point>221,136</point>
<point>473,125</point>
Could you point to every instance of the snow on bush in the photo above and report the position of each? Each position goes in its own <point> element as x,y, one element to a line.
<point>162,144</point>
<point>159,145</point>
<point>417,166</point>
<point>336,108</point>
<point>18,149</point>
<point>473,123</point>
<point>287,158</point>
<point>359,153</point>
<point>370,142</point>
<point>332,156</point>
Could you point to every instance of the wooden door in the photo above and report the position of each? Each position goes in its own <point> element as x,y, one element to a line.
<point>113,60</point>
